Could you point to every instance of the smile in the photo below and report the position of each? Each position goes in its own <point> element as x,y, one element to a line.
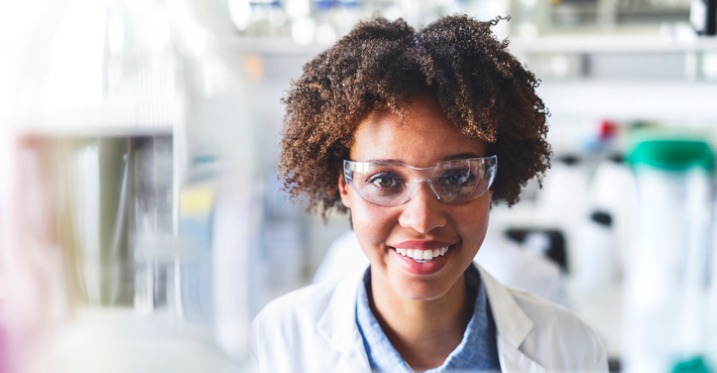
<point>422,255</point>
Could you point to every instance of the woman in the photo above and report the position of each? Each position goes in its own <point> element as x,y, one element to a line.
<point>405,130</point>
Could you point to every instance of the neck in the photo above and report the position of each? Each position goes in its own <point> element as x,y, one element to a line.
<point>424,332</point>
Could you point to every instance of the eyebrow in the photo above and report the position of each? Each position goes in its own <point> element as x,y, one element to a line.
<point>463,156</point>
<point>449,158</point>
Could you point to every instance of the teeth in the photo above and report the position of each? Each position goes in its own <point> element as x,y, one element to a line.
<point>422,255</point>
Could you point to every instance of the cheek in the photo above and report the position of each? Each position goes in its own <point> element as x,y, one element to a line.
<point>372,224</point>
<point>471,221</point>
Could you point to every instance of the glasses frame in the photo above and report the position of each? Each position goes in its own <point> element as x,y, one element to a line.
<point>349,167</point>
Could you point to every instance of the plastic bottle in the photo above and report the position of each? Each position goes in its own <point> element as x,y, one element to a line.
<point>563,196</point>
<point>593,264</point>
<point>612,190</point>
<point>666,285</point>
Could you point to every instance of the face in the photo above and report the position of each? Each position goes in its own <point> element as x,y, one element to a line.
<point>422,223</point>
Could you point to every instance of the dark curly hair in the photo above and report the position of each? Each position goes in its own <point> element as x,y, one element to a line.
<point>482,89</point>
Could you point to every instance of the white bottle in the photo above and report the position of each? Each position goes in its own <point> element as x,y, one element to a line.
<point>612,189</point>
<point>593,263</point>
<point>665,276</point>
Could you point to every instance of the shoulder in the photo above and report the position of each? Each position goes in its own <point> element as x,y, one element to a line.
<point>300,307</point>
<point>312,302</point>
<point>573,343</point>
<point>284,335</point>
<point>547,333</point>
<point>304,326</point>
<point>549,316</point>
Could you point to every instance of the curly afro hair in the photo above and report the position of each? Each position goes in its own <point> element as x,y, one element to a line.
<point>481,88</point>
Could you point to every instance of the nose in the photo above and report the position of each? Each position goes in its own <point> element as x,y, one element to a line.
<point>423,213</point>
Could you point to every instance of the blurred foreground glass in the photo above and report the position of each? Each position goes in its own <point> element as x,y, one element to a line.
<point>94,269</point>
<point>101,263</point>
<point>667,273</point>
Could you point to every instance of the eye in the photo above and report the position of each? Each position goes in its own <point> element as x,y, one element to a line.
<point>385,181</point>
<point>455,177</point>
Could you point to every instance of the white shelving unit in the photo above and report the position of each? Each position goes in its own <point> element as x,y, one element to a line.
<point>112,119</point>
<point>625,77</point>
<point>596,44</point>
<point>681,102</point>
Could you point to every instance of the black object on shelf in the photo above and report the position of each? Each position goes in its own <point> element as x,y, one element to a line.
<point>556,250</point>
<point>703,16</point>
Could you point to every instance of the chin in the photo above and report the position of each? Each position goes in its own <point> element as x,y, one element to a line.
<point>422,290</point>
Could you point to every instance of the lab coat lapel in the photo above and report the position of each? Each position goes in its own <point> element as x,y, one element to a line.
<point>513,326</point>
<point>338,326</point>
<point>513,360</point>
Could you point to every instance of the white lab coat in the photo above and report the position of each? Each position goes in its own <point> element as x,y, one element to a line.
<point>314,330</point>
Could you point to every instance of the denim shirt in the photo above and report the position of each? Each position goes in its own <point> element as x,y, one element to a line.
<point>477,351</point>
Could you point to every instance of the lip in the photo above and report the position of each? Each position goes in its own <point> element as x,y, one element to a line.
<point>422,268</point>
<point>422,244</point>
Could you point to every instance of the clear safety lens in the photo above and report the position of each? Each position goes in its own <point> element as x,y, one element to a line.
<point>393,183</point>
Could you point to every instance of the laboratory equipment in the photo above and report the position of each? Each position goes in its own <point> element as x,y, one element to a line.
<point>666,272</point>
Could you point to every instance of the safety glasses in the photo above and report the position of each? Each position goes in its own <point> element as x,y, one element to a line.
<point>388,183</point>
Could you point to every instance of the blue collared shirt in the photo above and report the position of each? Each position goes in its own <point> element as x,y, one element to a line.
<point>477,352</point>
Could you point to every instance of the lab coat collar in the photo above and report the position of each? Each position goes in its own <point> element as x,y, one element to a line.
<point>513,327</point>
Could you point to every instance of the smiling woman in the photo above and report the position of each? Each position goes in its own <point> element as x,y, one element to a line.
<point>415,135</point>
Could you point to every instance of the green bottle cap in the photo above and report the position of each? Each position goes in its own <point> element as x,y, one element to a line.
<point>695,364</point>
<point>673,155</point>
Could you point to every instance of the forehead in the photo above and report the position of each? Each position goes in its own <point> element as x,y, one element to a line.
<point>423,137</point>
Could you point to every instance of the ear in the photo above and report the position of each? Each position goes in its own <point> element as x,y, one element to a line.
<point>344,191</point>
